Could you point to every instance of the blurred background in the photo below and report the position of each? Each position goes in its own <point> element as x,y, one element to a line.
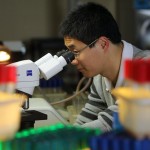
<point>24,20</point>
<point>31,28</point>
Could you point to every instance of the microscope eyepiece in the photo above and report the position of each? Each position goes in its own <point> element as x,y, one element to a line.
<point>68,56</point>
<point>60,53</point>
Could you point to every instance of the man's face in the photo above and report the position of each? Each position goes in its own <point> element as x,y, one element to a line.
<point>89,61</point>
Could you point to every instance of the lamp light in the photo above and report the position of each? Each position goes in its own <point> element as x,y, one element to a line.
<point>4,54</point>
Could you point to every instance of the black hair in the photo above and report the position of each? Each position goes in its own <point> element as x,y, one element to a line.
<point>88,22</point>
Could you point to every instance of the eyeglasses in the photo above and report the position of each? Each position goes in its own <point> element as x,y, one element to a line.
<point>77,53</point>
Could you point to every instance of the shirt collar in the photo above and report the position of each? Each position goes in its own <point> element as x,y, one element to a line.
<point>126,54</point>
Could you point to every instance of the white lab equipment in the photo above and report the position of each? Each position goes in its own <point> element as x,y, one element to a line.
<point>29,73</point>
<point>53,116</point>
<point>28,76</point>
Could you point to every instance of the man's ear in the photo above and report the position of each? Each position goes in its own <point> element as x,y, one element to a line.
<point>104,42</point>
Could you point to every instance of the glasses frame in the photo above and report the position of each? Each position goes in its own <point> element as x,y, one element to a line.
<point>77,53</point>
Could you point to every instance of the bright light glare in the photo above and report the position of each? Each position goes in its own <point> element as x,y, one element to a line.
<point>4,56</point>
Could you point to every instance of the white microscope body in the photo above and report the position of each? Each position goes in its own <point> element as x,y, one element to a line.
<point>29,74</point>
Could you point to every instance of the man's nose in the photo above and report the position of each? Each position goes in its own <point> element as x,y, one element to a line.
<point>74,62</point>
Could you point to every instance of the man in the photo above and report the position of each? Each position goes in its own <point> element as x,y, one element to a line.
<point>92,34</point>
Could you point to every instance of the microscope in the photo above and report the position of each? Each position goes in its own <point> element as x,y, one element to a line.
<point>29,74</point>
